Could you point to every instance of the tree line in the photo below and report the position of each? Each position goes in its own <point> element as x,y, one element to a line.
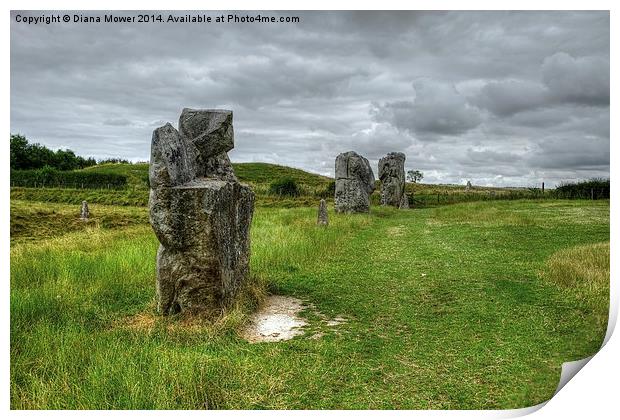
<point>25,155</point>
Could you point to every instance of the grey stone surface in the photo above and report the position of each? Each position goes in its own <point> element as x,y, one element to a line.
<point>355,182</point>
<point>468,186</point>
<point>404,202</point>
<point>392,176</point>
<point>84,212</point>
<point>322,218</point>
<point>200,213</point>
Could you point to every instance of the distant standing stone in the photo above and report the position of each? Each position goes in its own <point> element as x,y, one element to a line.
<point>354,183</point>
<point>322,219</point>
<point>392,176</point>
<point>84,213</point>
<point>468,186</point>
<point>404,202</point>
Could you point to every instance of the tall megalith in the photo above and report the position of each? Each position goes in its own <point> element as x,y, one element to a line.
<point>354,183</point>
<point>392,176</point>
<point>200,213</point>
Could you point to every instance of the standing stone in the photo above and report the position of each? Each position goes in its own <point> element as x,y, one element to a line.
<point>404,202</point>
<point>392,176</point>
<point>322,219</point>
<point>84,213</point>
<point>200,213</point>
<point>355,182</point>
<point>468,186</point>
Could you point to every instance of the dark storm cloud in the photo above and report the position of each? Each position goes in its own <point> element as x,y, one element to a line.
<point>437,109</point>
<point>495,97</point>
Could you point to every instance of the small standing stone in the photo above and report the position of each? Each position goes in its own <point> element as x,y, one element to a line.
<point>468,186</point>
<point>322,219</point>
<point>404,202</point>
<point>84,212</point>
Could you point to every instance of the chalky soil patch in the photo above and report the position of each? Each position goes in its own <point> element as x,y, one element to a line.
<point>276,320</point>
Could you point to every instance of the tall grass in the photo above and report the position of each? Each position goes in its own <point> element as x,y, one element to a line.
<point>583,272</point>
<point>444,309</point>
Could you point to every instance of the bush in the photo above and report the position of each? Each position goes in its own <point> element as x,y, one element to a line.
<point>284,187</point>
<point>595,188</point>
<point>329,191</point>
<point>51,177</point>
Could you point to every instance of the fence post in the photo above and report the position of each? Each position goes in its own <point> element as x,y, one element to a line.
<point>592,193</point>
<point>543,188</point>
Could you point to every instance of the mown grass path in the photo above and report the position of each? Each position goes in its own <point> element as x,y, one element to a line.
<point>446,308</point>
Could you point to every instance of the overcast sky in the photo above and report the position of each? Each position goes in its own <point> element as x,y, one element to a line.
<point>498,98</point>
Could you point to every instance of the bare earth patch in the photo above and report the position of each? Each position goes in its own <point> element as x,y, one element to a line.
<point>276,320</point>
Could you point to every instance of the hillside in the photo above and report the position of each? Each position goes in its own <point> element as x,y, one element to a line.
<point>251,173</point>
<point>257,173</point>
<point>259,176</point>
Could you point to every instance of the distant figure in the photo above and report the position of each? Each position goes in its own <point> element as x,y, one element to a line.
<point>404,202</point>
<point>323,219</point>
<point>84,213</point>
<point>468,186</point>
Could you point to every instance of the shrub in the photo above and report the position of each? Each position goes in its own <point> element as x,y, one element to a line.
<point>284,187</point>
<point>329,191</point>
<point>596,188</point>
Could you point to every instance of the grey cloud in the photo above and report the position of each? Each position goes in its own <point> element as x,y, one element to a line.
<point>582,80</point>
<point>117,121</point>
<point>508,97</point>
<point>564,79</point>
<point>498,97</point>
<point>438,108</point>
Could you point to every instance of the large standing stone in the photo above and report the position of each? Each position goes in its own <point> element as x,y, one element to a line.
<point>354,183</point>
<point>322,218</point>
<point>200,213</point>
<point>392,176</point>
<point>468,186</point>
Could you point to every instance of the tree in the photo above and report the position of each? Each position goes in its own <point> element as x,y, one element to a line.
<point>36,156</point>
<point>19,152</point>
<point>414,176</point>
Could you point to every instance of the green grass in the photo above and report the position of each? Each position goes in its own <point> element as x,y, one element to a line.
<point>254,173</point>
<point>31,221</point>
<point>583,273</point>
<point>455,307</point>
<point>259,176</point>
<point>137,173</point>
<point>128,197</point>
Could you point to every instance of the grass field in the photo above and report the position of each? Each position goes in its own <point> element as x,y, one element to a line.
<point>473,305</point>
<point>259,176</point>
